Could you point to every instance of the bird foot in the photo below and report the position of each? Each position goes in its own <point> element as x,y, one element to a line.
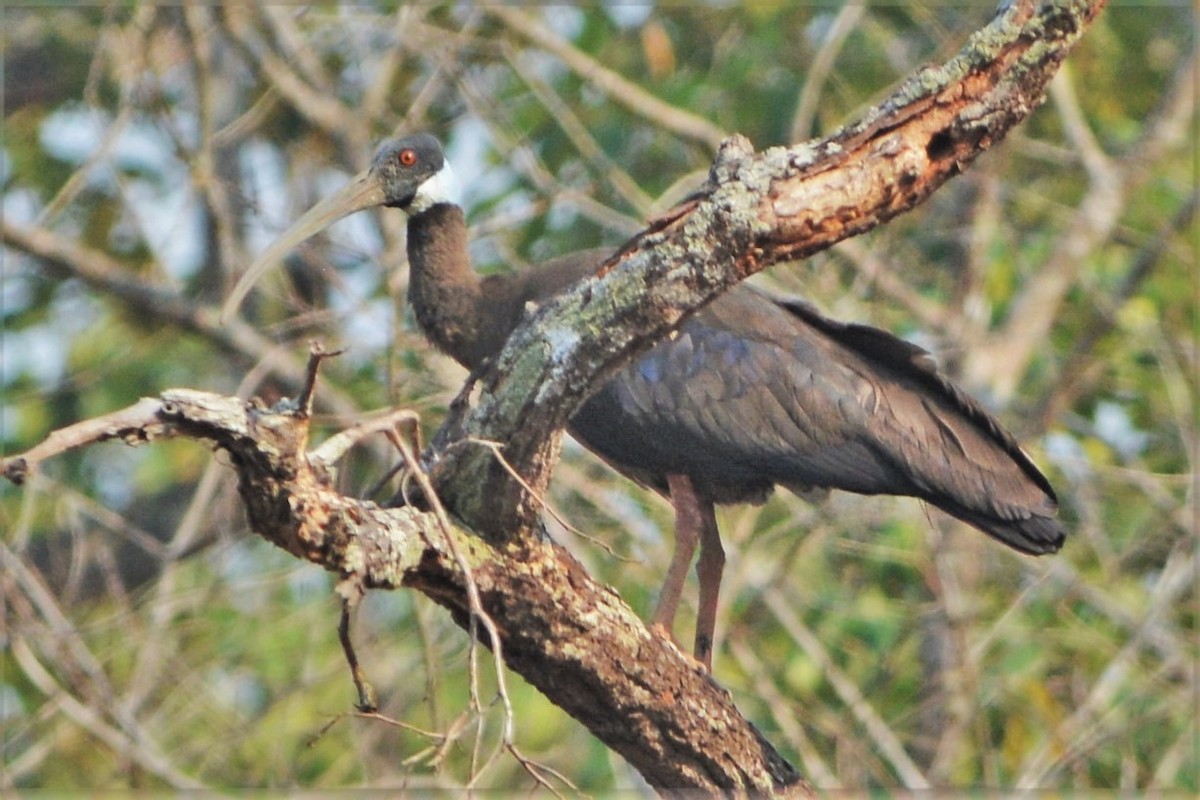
<point>665,632</point>
<point>703,652</point>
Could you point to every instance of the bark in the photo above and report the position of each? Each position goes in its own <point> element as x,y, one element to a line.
<point>571,637</point>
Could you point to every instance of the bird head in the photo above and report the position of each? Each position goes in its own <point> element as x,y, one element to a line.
<point>409,173</point>
<point>413,174</point>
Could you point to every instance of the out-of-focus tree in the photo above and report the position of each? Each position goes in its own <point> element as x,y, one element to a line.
<point>150,641</point>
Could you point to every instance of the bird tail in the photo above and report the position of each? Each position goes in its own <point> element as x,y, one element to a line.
<point>1037,533</point>
<point>967,464</point>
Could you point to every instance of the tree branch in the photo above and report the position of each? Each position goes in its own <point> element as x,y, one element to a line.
<point>66,259</point>
<point>573,638</point>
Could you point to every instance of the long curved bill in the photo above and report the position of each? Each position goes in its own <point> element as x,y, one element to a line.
<point>365,191</point>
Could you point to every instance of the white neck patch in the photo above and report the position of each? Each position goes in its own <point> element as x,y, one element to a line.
<point>440,187</point>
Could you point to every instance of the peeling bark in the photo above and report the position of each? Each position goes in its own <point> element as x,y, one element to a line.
<point>573,638</point>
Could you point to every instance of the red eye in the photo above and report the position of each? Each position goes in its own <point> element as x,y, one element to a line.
<point>408,157</point>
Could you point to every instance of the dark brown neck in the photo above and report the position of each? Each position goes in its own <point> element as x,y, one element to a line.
<point>467,318</point>
<point>464,316</point>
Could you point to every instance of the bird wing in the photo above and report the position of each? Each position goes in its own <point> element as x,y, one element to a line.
<point>959,456</point>
<point>752,392</point>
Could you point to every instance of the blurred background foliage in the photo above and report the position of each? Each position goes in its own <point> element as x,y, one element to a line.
<point>150,640</point>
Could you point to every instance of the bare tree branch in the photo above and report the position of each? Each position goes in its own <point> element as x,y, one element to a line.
<point>628,94</point>
<point>559,627</point>
<point>1005,356</point>
<point>108,276</point>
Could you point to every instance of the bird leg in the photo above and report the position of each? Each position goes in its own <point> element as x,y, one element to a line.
<point>709,568</point>
<point>695,523</point>
<point>687,535</point>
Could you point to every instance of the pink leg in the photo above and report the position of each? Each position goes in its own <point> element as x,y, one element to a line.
<point>709,569</point>
<point>687,534</point>
<point>695,523</point>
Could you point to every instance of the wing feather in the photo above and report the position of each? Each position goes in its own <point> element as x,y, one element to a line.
<point>752,392</point>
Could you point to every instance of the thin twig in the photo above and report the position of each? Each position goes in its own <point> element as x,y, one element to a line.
<point>316,354</point>
<point>634,97</point>
<point>333,448</point>
<point>820,68</point>
<point>780,709</point>
<point>295,48</point>
<point>367,702</point>
<point>323,110</point>
<point>1108,306</point>
<point>884,737</point>
<point>73,655</point>
<point>397,723</point>
<point>535,769</point>
<point>452,734</point>
<point>477,611</point>
<point>582,139</point>
<point>130,420</point>
<point>1002,360</point>
<point>497,450</point>
<point>1177,577</point>
<point>207,162</point>
<point>312,741</point>
<point>114,130</point>
<point>481,100</point>
<point>131,744</point>
<point>62,257</point>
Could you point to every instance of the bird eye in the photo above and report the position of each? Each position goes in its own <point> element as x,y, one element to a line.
<point>408,157</point>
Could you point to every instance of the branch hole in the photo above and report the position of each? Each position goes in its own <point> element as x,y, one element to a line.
<point>940,146</point>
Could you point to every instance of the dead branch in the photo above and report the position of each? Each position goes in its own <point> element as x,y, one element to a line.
<point>574,639</point>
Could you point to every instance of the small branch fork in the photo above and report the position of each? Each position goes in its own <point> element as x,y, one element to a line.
<point>316,354</point>
<point>134,425</point>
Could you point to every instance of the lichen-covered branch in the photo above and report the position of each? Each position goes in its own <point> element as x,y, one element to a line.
<point>573,638</point>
